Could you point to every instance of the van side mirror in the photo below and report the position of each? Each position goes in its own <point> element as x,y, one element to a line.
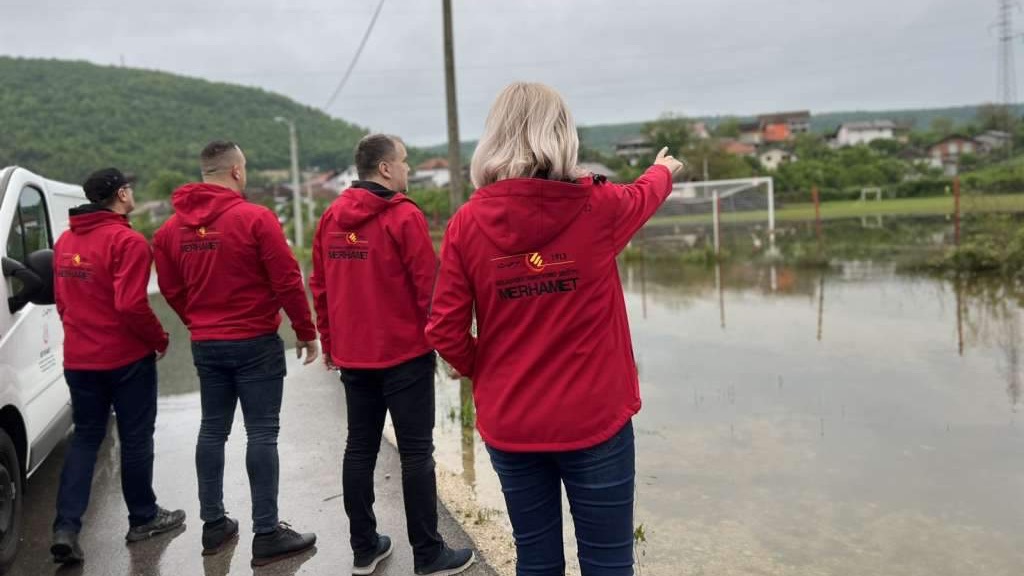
<point>41,263</point>
<point>31,284</point>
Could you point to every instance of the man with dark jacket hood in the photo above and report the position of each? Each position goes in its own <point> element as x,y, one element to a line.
<point>224,266</point>
<point>112,341</point>
<point>373,273</point>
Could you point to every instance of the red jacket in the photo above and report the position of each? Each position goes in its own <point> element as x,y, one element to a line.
<point>373,272</point>
<point>552,364</point>
<point>224,266</point>
<point>101,273</point>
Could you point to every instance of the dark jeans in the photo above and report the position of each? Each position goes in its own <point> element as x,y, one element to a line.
<point>407,391</point>
<point>131,390</point>
<point>250,372</point>
<point>599,484</point>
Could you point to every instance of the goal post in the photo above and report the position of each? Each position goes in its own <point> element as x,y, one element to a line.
<point>754,198</point>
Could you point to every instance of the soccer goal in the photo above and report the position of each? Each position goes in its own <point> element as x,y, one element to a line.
<point>745,203</point>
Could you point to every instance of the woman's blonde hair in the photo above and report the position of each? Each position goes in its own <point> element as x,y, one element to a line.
<point>529,131</point>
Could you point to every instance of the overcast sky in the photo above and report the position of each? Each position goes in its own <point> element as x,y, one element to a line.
<point>613,60</point>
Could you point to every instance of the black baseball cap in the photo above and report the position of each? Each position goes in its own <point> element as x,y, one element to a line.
<point>101,185</point>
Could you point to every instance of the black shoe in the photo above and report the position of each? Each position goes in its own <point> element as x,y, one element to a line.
<point>164,521</point>
<point>450,562</point>
<point>366,564</point>
<point>65,548</point>
<point>218,534</point>
<point>280,544</point>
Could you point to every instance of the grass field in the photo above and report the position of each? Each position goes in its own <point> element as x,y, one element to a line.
<point>936,206</point>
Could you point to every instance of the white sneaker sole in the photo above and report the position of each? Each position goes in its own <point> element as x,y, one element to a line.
<point>373,565</point>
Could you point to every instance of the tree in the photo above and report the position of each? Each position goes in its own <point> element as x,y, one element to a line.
<point>995,117</point>
<point>669,131</point>
<point>162,185</point>
<point>728,128</point>
<point>942,126</point>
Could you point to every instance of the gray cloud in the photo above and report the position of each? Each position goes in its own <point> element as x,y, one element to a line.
<point>613,60</point>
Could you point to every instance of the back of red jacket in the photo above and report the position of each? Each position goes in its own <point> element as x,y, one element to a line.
<point>373,273</point>
<point>101,274</point>
<point>552,364</point>
<point>224,266</point>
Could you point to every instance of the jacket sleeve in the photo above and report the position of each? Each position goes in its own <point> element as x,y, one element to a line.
<point>635,203</point>
<point>451,311</point>
<point>58,290</point>
<point>172,286</point>
<point>131,300</point>
<point>285,278</point>
<point>418,257</point>
<point>318,284</point>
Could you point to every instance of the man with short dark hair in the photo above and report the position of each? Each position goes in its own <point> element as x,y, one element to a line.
<point>224,266</point>
<point>373,274</point>
<point>112,341</point>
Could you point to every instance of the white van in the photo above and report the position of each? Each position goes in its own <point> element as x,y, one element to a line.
<point>35,406</point>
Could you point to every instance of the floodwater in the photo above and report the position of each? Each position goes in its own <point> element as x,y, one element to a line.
<point>854,420</point>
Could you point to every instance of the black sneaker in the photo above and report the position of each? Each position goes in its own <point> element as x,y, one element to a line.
<point>366,564</point>
<point>218,534</point>
<point>65,548</point>
<point>280,544</point>
<point>164,521</point>
<point>450,562</point>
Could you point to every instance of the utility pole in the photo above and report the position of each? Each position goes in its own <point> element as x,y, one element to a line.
<point>454,160</point>
<point>296,190</point>
<point>1007,67</point>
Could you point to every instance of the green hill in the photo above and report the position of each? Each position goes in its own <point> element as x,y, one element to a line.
<point>64,119</point>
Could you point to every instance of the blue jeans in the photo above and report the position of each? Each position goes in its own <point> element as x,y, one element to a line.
<point>131,390</point>
<point>599,484</point>
<point>250,372</point>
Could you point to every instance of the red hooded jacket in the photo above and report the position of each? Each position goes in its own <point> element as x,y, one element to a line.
<point>373,273</point>
<point>101,273</point>
<point>552,363</point>
<point>224,266</point>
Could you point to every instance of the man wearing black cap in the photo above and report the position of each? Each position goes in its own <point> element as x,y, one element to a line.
<point>112,341</point>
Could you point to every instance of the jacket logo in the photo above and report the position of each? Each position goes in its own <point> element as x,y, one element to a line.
<point>76,259</point>
<point>352,238</point>
<point>535,262</point>
<point>201,231</point>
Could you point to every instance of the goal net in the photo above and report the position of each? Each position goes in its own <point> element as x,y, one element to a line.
<point>736,214</point>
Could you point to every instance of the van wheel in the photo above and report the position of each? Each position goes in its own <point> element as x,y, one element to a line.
<point>10,502</point>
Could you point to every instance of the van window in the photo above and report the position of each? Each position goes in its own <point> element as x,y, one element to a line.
<point>30,230</point>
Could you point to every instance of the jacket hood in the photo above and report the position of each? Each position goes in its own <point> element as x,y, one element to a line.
<point>525,214</point>
<point>201,203</point>
<point>356,206</point>
<point>89,217</point>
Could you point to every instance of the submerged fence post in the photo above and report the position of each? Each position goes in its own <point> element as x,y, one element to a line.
<point>816,197</point>
<point>956,210</point>
<point>718,223</point>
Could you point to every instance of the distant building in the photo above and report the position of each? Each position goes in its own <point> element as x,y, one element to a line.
<point>855,133</point>
<point>598,169</point>
<point>738,148</point>
<point>777,132</point>
<point>634,148</point>
<point>798,122</point>
<point>750,133</point>
<point>433,173</point>
<point>946,153</point>
<point>700,130</point>
<point>772,158</point>
<point>992,140</point>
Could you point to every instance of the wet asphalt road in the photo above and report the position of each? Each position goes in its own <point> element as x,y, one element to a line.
<point>311,444</point>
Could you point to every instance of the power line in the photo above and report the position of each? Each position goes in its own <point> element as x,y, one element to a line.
<point>355,58</point>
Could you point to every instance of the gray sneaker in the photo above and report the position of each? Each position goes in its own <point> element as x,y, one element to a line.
<point>65,548</point>
<point>164,521</point>
<point>448,563</point>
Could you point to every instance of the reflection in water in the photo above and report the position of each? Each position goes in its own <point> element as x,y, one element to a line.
<point>220,564</point>
<point>145,556</point>
<point>958,288</point>
<point>721,294</point>
<point>821,304</point>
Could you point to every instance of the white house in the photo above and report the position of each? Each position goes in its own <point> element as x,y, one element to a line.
<point>342,180</point>
<point>433,172</point>
<point>854,133</point>
<point>772,158</point>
